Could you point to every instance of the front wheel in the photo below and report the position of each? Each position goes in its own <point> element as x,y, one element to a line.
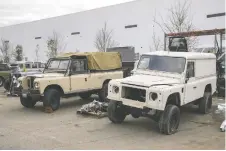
<point>7,85</point>
<point>52,99</point>
<point>2,80</point>
<point>169,120</point>
<point>116,112</point>
<point>27,102</point>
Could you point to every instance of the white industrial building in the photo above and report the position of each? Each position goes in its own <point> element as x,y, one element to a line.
<point>132,23</point>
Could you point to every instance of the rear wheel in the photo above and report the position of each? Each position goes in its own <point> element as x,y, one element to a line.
<point>116,112</point>
<point>169,120</point>
<point>103,93</point>
<point>205,104</point>
<point>2,80</point>
<point>52,99</point>
<point>27,102</point>
<point>85,95</point>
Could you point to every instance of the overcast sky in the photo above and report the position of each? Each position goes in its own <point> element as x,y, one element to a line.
<point>19,11</point>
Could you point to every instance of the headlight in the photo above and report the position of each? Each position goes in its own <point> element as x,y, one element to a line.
<point>153,96</point>
<point>36,85</point>
<point>115,89</point>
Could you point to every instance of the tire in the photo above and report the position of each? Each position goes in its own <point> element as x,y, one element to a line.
<point>27,102</point>
<point>2,80</point>
<point>85,95</point>
<point>116,112</point>
<point>135,115</point>
<point>103,93</point>
<point>205,104</point>
<point>52,99</point>
<point>7,85</point>
<point>169,120</point>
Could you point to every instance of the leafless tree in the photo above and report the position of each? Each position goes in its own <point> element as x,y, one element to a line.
<point>37,52</point>
<point>5,50</point>
<point>104,39</point>
<point>18,53</point>
<point>178,20</point>
<point>55,45</point>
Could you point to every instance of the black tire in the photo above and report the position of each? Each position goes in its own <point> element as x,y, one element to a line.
<point>7,85</point>
<point>103,93</point>
<point>205,104</point>
<point>169,120</point>
<point>85,95</point>
<point>2,81</point>
<point>52,99</point>
<point>27,102</point>
<point>116,112</point>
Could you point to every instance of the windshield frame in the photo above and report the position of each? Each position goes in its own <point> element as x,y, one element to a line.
<point>58,59</point>
<point>145,55</point>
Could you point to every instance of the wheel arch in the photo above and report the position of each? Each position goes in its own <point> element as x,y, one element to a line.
<point>208,88</point>
<point>174,99</point>
<point>55,86</point>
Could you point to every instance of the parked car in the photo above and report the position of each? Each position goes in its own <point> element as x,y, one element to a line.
<point>18,69</point>
<point>5,71</point>
<point>161,83</point>
<point>71,74</point>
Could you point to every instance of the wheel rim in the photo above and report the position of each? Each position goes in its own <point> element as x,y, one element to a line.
<point>173,122</point>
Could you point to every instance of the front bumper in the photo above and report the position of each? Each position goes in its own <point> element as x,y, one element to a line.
<point>33,94</point>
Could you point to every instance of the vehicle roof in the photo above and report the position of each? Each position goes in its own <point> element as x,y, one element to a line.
<point>71,54</point>
<point>98,60</point>
<point>187,55</point>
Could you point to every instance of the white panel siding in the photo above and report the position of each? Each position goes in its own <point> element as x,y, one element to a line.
<point>140,12</point>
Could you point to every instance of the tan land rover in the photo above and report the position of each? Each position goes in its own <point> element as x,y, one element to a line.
<point>71,74</point>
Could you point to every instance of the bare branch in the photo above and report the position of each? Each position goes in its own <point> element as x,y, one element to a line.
<point>178,20</point>
<point>5,50</point>
<point>55,45</point>
<point>104,39</point>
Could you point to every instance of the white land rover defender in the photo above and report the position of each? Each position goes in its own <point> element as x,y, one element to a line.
<point>161,83</point>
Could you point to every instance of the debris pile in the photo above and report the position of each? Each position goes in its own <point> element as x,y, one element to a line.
<point>94,108</point>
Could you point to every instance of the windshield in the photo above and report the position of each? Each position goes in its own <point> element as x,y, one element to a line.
<point>57,66</point>
<point>162,63</point>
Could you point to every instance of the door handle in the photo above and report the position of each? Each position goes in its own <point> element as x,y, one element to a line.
<point>194,87</point>
<point>85,79</point>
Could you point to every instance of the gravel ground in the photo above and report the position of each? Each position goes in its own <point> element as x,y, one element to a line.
<point>23,128</point>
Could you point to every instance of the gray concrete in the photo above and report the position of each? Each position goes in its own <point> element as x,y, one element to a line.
<point>22,128</point>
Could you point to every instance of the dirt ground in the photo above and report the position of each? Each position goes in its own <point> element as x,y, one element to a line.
<point>22,128</point>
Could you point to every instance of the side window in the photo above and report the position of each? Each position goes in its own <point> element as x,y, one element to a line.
<point>191,69</point>
<point>78,66</point>
<point>3,67</point>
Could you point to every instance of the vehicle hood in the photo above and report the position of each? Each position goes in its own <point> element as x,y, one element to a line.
<point>149,80</point>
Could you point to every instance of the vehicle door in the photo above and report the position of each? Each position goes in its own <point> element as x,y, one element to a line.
<point>4,71</point>
<point>190,85</point>
<point>79,76</point>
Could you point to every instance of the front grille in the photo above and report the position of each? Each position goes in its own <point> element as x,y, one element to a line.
<point>30,82</point>
<point>134,94</point>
